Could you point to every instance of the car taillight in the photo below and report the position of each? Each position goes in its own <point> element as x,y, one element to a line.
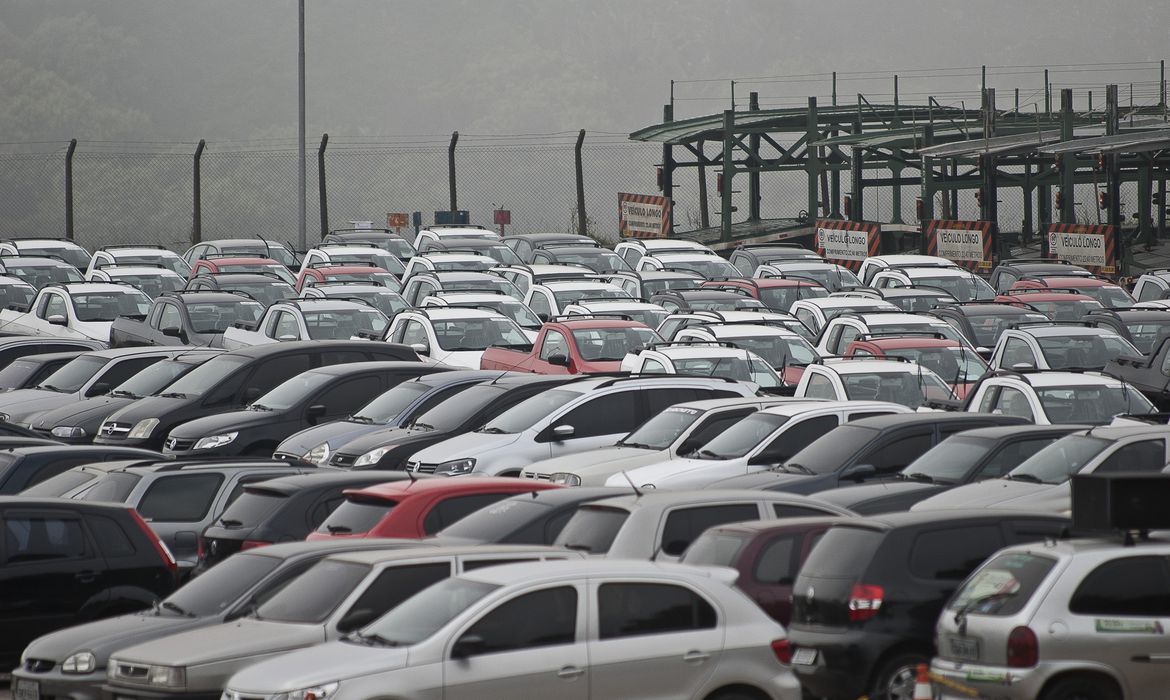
<point>1022,648</point>
<point>783,651</point>
<point>252,544</point>
<point>159,547</point>
<point>199,548</point>
<point>864,601</point>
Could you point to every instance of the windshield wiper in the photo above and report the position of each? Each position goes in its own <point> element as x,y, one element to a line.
<point>230,522</point>
<point>123,392</point>
<point>917,476</point>
<point>168,605</point>
<point>1030,478</point>
<point>491,431</point>
<point>173,395</point>
<point>259,407</point>
<point>708,454</point>
<point>579,547</point>
<point>639,445</point>
<point>50,387</point>
<point>338,529</point>
<point>961,613</point>
<point>794,468</point>
<point>422,426</point>
<point>361,419</point>
<point>374,640</point>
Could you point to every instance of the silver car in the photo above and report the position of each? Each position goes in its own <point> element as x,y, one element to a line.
<point>1080,619</point>
<point>567,630</point>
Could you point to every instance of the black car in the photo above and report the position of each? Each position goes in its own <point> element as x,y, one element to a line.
<point>981,322</point>
<point>866,601</point>
<point>28,371</point>
<point>864,450</point>
<point>15,347</point>
<point>389,448</point>
<point>186,317</point>
<point>231,381</point>
<point>77,423</point>
<point>1141,327</point>
<point>974,455</point>
<point>64,562</point>
<point>531,518</point>
<point>747,258</point>
<point>24,467</point>
<point>264,288</point>
<point>320,395</point>
<point>1009,272</point>
<point>684,300</point>
<point>286,509</point>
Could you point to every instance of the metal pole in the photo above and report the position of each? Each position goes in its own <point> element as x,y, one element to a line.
<point>1113,160</point>
<point>69,188</point>
<point>812,157</point>
<point>834,88</point>
<point>754,173</point>
<point>322,192</point>
<point>451,173</point>
<point>668,172</point>
<point>1162,83</point>
<point>704,213</point>
<point>1047,94</point>
<point>728,175</point>
<point>197,196</point>
<point>580,173</point>
<point>301,237</point>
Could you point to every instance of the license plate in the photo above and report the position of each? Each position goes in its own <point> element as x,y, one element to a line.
<point>804,657</point>
<point>966,649</point>
<point>27,690</point>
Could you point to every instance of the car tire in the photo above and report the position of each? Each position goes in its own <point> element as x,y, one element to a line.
<point>1082,688</point>
<point>895,678</point>
<point>735,694</point>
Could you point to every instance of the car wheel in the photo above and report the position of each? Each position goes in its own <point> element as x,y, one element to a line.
<point>735,694</point>
<point>895,679</point>
<point>1082,688</point>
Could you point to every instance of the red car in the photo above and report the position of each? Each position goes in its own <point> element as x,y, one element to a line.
<point>324,273</point>
<point>416,509</point>
<point>776,293</point>
<point>574,345</point>
<point>767,554</point>
<point>1105,291</point>
<point>955,363</point>
<point>1056,304</point>
<point>231,263</point>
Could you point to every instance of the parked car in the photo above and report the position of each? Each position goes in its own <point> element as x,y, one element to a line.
<point>150,279</point>
<point>15,293</point>
<point>634,249</point>
<point>493,248</point>
<point>519,631</point>
<point>960,284</point>
<point>382,298</point>
<point>649,315</point>
<point>776,293</point>
<point>61,249</point>
<point>709,266</point>
<point>1008,272</point>
<point>423,284</point>
<point>912,300</point>
<point>877,263</point>
<point>571,345</point>
<point>384,238</point>
<point>526,243</point>
<point>785,350</point>
<point>689,300</point>
<point>646,283</point>
<point>39,271</point>
<point>75,481</point>
<point>308,319</point>
<point>815,313</point>
<point>83,310</point>
<point>215,263</point>
<point>1140,327</point>
<point>243,247</point>
<point>186,317</point>
<point>831,276</point>
<point>550,298</point>
<point>844,328</point>
<point>600,260</point>
<point>951,360</point>
<point>455,336</point>
<point>528,518</point>
<point>494,300</point>
<point>981,323</point>
<point>353,253</point>
<point>263,288</point>
<point>1055,345</point>
<point>324,273</point>
<point>748,258</point>
<point>1057,304</point>
<point>137,253</point>
<point>1105,291</point>
<point>23,467</point>
<point>861,378</point>
<point>67,562</point>
<point>29,347</point>
<point>1052,397</point>
<point>1148,373</point>
<point>700,358</point>
<point>865,602</point>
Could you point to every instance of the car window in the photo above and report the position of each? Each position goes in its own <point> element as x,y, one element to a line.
<point>539,619</point>
<point>183,498</point>
<point>1143,456</point>
<point>38,538</point>
<point>897,452</point>
<point>605,415</point>
<point>1015,575</point>
<point>710,427</point>
<point>820,387</point>
<point>1010,456</point>
<point>1149,291</point>
<point>784,510</point>
<point>414,333</point>
<point>638,609</point>
<point>683,525</point>
<point>169,317</point>
<point>286,327</point>
<point>797,436</point>
<point>554,344</point>
<point>777,562</point>
<point>55,306</point>
<point>539,304</point>
<point>110,537</point>
<point>658,400</point>
<point>452,510</point>
<point>274,371</point>
<point>952,553</point>
<point>349,395</point>
<point>394,585</point>
<point>652,366</point>
<point>1012,402</point>
<point>117,372</point>
<point>1130,586</point>
<point>1016,352</point>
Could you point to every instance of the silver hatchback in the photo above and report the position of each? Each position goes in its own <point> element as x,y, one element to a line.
<point>1083,619</point>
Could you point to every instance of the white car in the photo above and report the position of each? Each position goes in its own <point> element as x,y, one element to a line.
<point>677,431</point>
<point>874,379</point>
<point>709,266</point>
<point>493,300</point>
<point>59,248</point>
<point>455,336</point>
<point>650,315</point>
<point>76,310</point>
<point>873,265</point>
<point>574,417</point>
<point>524,276</point>
<point>675,322</point>
<point>350,253</point>
<point>633,249</point>
<point>1054,397</point>
<point>135,254</point>
<point>703,359</point>
<point>438,233</point>
<point>961,284</point>
<point>763,439</point>
<point>831,276</point>
<point>550,297</point>
<point>308,319</point>
<point>448,262</point>
<point>566,630</point>
<point>817,312</point>
<point>1059,346</point>
<point>846,327</point>
<point>151,280</point>
<point>779,346</point>
<point>379,296</point>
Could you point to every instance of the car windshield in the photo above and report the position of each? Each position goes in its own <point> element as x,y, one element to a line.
<point>206,376</point>
<point>478,333</point>
<point>151,285</point>
<point>777,351</point>
<point>391,404</point>
<point>20,295</point>
<point>1082,351</point>
<point>564,297</point>
<point>1110,296</point>
<point>739,439</point>
<point>714,548</point>
<point>742,369</point>
<point>486,284</point>
<point>951,460</point>
<point>938,327</point>
<point>376,257</point>
<point>153,378</point>
<point>76,257</point>
<point>662,430</point>
<point>74,374</point>
<point>501,254</point>
<point>526,413</point>
<point>216,317</point>
<point>356,515</point>
<point>1071,309</point>
<point>1091,403</point>
<point>292,391</point>
<point>342,324</point>
<point>255,505</point>
<point>264,292</point>
<point>61,484</point>
<point>107,306</point>
<point>1056,463</point>
<point>40,275</point>
<point>826,454</point>
<point>272,268</point>
<point>171,262</point>
<point>917,303</point>
<point>1144,335</point>
<point>909,388</point>
<point>221,586</point>
<point>954,364</point>
<point>611,344</point>
<point>18,372</point>
<point>781,298</point>
<point>987,327</point>
<point>1003,585</point>
<point>426,612</point>
<point>506,306</point>
<point>450,415</point>
<point>600,261</point>
<point>834,277</point>
<point>312,596</point>
<point>713,268</point>
<point>652,287</point>
<point>388,302</point>
<point>592,529</point>
<point>961,287</point>
<point>384,279</point>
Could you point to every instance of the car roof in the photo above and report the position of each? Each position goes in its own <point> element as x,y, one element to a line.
<point>583,283</point>
<point>36,450</point>
<point>61,503</point>
<point>1117,432</point>
<point>1050,378</point>
<point>900,342</point>
<point>510,574</point>
<point>988,309</point>
<point>924,260</point>
<point>266,349</point>
<point>288,485</point>
<point>867,365</point>
<point>349,368</point>
<point>46,340</point>
<point>43,242</point>
<point>203,296</point>
<point>586,323</point>
<point>577,494</point>
<point>238,260</point>
<point>884,318</point>
<point>1001,432</point>
<point>898,420</point>
<point>833,302</point>
<point>411,549</point>
<point>343,269</point>
<point>683,256</point>
<point>1074,281</point>
<point>114,353</point>
<point>241,277</point>
<point>653,498</point>
<point>1059,329</point>
<point>804,405</point>
<point>33,261</point>
<point>44,357</point>
<point>703,351</point>
<point>742,330</point>
<point>442,313</point>
<point>767,527</point>
<point>469,484</point>
<point>90,288</point>
<point>712,404</point>
<point>915,518</point>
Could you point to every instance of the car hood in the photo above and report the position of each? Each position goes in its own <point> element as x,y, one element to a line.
<point>465,445</point>
<point>1002,493</point>
<point>603,460</point>
<point>105,637</point>
<point>150,407</point>
<point>465,359</point>
<point>87,413</point>
<point>755,480</point>
<point>335,434</point>
<point>17,398</point>
<point>652,473</point>
<point>225,422</point>
<point>389,437</point>
<point>234,640</point>
<point>884,492</point>
<point>325,663</point>
<point>35,402</point>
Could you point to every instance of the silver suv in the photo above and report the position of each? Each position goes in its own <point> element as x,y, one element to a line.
<point>1077,619</point>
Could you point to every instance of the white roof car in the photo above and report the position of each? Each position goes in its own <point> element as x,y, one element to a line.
<point>1152,286</point>
<point>1059,346</point>
<point>524,276</point>
<point>762,317</point>
<point>1049,397</point>
<point>382,298</point>
<point>865,378</point>
<point>961,284</point>
<point>650,315</point>
<point>60,248</point>
<point>704,359</point>
<point>551,297</point>
<point>77,310</point>
<point>817,312</point>
<point>359,253</point>
<point>151,281</point>
<point>831,276</point>
<point>872,265</point>
<point>497,301</point>
<point>131,254</point>
<point>709,266</point>
<point>440,232</point>
<point>766,438</point>
<point>847,327</point>
<point>455,336</point>
<point>778,346</point>
<point>632,249</point>
<point>449,262</point>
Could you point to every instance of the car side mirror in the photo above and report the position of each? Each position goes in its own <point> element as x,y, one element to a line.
<point>99,389</point>
<point>358,617</point>
<point>251,394</point>
<point>314,412</point>
<point>559,360</point>
<point>675,548</point>
<point>859,472</point>
<point>173,332</point>
<point>562,432</point>
<point>1022,367</point>
<point>421,348</point>
<point>286,337</point>
<point>543,317</point>
<point>468,645</point>
<point>58,320</point>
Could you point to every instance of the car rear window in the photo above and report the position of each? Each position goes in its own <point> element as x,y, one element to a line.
<point>593,529</point>
<point>113,488</point>
<point>252,508</point>
<point>844,552</point>
<point>356,515</point>
<point>1003,585</point>
<point>953,553</point>
<point>715,549</point>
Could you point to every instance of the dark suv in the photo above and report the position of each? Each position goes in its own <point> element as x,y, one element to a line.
<point>64,562</point>
<point>231,381</point>
<point>865,603</point>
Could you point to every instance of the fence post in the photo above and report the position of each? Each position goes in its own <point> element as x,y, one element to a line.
<point>581,228</point>
<point>197,196</point>
<point>69,188</point>
<point>321,186</point>
<point>451,173</point>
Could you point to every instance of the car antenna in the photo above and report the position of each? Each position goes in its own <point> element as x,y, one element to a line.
<point>636,491</point>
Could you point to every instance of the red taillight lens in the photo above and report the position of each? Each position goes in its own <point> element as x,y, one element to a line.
<point>159,547</point>
<point>199,549</point>
<point>252,544</point>
<point>1022,648</point>
<point>783,651</point>
<point>864,601</point>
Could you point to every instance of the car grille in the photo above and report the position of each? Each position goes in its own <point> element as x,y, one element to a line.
<point>113,429</point>
<point>179,444</point>
<point>343,460</point>
<point>287,456</point>
<point>420,468</point>
<point>536,475</point>
<point>131,673</point>
<point>39,665</point>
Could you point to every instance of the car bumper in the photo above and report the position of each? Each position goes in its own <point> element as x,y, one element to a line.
<point>956,679</point>
<point>842,665</point>
<point>55,685</point>
<point>112,692</point>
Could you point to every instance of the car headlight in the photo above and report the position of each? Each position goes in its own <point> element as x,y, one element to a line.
<point>81,662</point>
<point>317,692</point>
<point>319,455</point>
<point>143,428</point>
<point>68,431</point>
<point>371,457</point>
<point>456,467</point>
<point>565,479</point>
<point>213,441</point>
<point>167,676</point>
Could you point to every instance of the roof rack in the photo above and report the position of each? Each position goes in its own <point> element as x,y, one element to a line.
<point>347,244</point>
<point>446,292</point>
<point>633,377</point>
<point>692,343</point>
<point>618,300</point>
<point>123,246</point>
<point>106,266</point>
<point>872,312</point>
<point>339,263</point>
<point>750,246</point>
<point>263,273</point>
<point>46,256</point>
<point>360,230</point>
<point>435,226</point>
<point>861,358</point>
<point>585,317</point>
<point>1046,261</point>
<point>250,256</point>
<point>902,334</point>
<point>1034,324</point>
<point>1042,290</point>
<point>577,243</point>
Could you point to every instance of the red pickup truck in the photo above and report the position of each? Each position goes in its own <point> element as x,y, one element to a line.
<point>574,345</point>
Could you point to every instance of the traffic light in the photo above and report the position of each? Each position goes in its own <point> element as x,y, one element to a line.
<point>1103,199</point>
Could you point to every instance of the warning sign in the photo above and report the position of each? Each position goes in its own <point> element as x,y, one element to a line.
<point>1092,247</point>
<point>968,244</point>
<point>643,215</point>
<point>397,220</point>
<point>847,243</point>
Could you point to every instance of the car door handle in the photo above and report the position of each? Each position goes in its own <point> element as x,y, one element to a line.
<point>570,672</point>
<point>85,576</point>
<point>696,656</point>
